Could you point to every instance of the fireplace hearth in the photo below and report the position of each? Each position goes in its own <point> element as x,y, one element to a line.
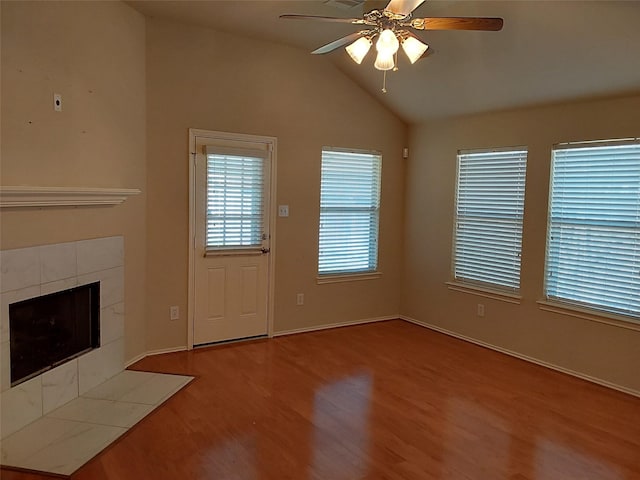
<point>71,367</point>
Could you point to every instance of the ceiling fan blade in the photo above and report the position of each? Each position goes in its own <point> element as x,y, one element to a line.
<point>457,23</point>
<point>403,7</point>
<point>330,47</point>
<point>354,21</point>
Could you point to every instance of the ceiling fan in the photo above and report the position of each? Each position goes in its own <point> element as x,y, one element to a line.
<point>394,26</point>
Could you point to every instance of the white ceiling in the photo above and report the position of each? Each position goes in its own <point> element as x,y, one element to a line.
<point>548,50</point>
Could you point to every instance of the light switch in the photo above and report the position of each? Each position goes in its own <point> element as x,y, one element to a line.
<point>283,210</point>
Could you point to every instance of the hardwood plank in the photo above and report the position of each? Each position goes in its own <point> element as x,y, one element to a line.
<point>389,400</point>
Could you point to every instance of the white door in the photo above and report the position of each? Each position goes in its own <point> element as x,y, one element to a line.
<point>230,218</point>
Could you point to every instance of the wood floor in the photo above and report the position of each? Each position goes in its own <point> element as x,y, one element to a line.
<point>389,400</point>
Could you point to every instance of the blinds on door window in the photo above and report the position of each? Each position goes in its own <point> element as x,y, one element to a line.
<point>349,211</point>
<point>489,213</point>
<point>235,188</point>
<point>593,245</point>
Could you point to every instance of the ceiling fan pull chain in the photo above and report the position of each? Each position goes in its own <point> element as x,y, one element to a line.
<point>384,81</point>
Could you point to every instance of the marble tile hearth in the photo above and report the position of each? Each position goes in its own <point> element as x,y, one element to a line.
<point>30,272</point>
<point>58,420</point>
<point>63,440</point>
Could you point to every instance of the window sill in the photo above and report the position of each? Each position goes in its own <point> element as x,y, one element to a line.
<point>485,292</point>
<point>347,277</point>
<point>589,314</point>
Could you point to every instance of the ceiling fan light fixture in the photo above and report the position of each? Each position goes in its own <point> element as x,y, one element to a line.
<point>387,43</point>
<point>384,61</point>
<point>414,48</point>
<point>391,26</point>
<point>359,49</point>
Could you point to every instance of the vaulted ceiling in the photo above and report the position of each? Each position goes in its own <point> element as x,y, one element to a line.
<point>548,51</point>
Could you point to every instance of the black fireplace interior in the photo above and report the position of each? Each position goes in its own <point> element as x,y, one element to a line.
<point>49,330</point>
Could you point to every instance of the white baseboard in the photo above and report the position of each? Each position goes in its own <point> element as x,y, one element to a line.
<point>348,323</point>
<point>573,373</point>
<point>527,358</point>
<point>153,352</point>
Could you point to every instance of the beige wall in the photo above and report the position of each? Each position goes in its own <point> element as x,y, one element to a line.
<point>210,80</point>
<point>128,103</point>
<point>606,352</point>
<point>93,53</point>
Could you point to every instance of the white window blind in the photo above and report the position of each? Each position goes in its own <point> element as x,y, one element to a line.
<point>593,245</point>
<point>349,211</point>
<point>235,183</point>
<point>489,213</point>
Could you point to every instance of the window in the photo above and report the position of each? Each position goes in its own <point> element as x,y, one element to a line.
<point>235,181</point>
<point>349,211</point>
<point>593,244</point>
<point>489,213</point>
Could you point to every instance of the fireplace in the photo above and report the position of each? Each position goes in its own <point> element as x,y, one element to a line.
<point>50,330</point>
<point>35,273</point>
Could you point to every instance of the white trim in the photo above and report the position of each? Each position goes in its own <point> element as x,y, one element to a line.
<point>516,148</point>
<point>160,351</point>
<point>588,314</point>
<point>484,292</point>
<point>273,216</point>
<point>282,333</point>
<point>234,251</point>
<point>272,143</point>
<point>135,359</point>
<point>191,284</point>
<point>235,151</point>
<point>596,143</point>
<point>351,150</point>
<point>347,277</point>
<point>29,196</point>
<point>573,373</point>
<point>348,323</point>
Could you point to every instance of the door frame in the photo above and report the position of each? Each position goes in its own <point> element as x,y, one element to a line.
<point>194,134</point>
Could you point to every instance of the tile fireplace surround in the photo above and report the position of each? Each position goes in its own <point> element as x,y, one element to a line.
<point>30,272</point>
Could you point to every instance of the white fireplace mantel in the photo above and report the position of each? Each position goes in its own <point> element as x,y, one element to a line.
<point>29,196</point>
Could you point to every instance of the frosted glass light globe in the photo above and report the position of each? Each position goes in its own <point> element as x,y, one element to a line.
<point>387,43</point>
<point>359,49</point>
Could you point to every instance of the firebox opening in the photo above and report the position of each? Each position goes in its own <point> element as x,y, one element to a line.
<point>50,330</point>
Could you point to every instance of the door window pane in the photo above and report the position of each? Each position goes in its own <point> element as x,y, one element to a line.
<point>234,200</point>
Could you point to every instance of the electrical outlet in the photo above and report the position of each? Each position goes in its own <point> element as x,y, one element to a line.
<point>481,310</point>
<point>300,299</point>
<point>174,312</point>
<point>283,210</point>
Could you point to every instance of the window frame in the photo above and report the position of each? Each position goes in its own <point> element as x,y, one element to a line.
<point>589,310</point>
<point>241,158</point>
<point>487,288</point>
<point>339,275</point>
